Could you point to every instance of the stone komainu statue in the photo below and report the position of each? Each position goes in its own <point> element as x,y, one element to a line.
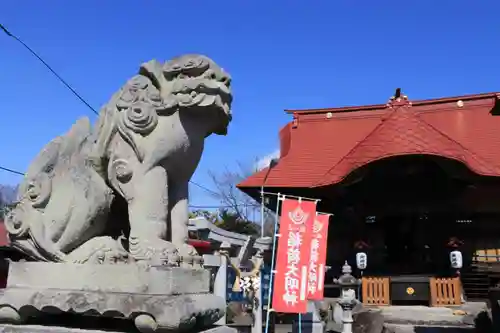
<point>119,192</point>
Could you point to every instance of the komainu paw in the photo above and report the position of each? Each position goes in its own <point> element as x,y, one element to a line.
<point>153,251</point>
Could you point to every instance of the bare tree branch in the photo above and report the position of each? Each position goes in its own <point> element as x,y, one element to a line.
<point>227,193</point>
<point>238,202</point>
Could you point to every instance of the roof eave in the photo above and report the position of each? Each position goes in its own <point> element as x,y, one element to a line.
<point>383,106</point>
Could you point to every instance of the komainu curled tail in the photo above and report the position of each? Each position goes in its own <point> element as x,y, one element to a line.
<point>62,202</point>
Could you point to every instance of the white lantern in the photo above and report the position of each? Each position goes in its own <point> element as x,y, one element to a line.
<point>456,259</point>
<point>361,260</point>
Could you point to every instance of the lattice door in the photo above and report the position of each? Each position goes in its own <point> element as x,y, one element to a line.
<point>445,291</point>
<point>375,290</point>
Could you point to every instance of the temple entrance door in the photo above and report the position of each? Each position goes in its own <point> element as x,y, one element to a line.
<point>398,240</point>
<point>414,246</point>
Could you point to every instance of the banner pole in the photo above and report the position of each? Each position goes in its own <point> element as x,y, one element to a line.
<point>262,212</point>
<point>273,257</point>
<point>300,322</point>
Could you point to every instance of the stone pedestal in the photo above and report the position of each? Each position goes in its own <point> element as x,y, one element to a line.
<point>154,298</point>
<point>46,329</point>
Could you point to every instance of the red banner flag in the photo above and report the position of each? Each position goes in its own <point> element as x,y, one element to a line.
<point>317,257</point>
<point>292,257</point>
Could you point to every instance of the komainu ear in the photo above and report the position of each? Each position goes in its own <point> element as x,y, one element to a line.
<point>152,70</point>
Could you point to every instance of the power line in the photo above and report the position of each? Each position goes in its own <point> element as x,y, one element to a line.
<point>190,206</point>
<point>204,188</point>
<point>11,171</point>
<point>8,33</point>
<point>223,206</point>
<point>192,182</point>
<point>67,85</point>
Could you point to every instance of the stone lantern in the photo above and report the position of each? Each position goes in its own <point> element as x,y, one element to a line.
<point>348,301</point>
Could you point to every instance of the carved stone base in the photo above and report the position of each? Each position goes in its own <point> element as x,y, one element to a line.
<point>155,299</point>
<point>45,329</point>
<point>109,278</point>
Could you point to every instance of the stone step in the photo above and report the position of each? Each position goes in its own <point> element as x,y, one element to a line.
<point>54,329</point>
<point>46,329</point>
<point>402,328</point>
<point>438,316</point>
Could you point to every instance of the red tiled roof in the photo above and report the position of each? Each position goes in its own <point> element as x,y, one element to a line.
<point>321,147</point>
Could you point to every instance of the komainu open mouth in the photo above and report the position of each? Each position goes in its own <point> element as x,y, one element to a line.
<point>198,81</point>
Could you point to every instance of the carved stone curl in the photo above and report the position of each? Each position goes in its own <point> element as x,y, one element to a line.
<point>121,170</point>
<point>145,323</point>
<point>140,118</point>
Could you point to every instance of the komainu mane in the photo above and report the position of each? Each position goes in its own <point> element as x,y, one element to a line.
<point>73,203</point>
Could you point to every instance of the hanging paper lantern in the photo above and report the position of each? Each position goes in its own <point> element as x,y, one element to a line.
<point>456,259</point>
<point>361,260</point>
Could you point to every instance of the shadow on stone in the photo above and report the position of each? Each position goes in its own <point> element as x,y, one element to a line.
<point>368,321</point>
<point>483,323</point>
<point>74,320</point>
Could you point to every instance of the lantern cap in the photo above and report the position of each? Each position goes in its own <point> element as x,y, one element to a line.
<point>346,279</point>
<point>346,269</point>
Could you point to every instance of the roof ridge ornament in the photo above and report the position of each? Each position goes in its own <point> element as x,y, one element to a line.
<point>295,121</point>
<point>399,99</point>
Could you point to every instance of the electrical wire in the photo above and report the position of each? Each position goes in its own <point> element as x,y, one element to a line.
<point>192,182</point>
<point>11,171</point>
<point>191,206</point>
<point>204,188</point>
<point>221,206</point>
<point>8,33</point>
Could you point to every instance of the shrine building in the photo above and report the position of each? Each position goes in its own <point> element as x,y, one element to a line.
<point>407,182</point>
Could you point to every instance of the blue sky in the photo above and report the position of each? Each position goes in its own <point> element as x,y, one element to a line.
<point>281,54</point>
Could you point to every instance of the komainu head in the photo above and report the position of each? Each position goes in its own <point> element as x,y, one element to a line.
<point>193,83</point>
<point>192,86</point>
